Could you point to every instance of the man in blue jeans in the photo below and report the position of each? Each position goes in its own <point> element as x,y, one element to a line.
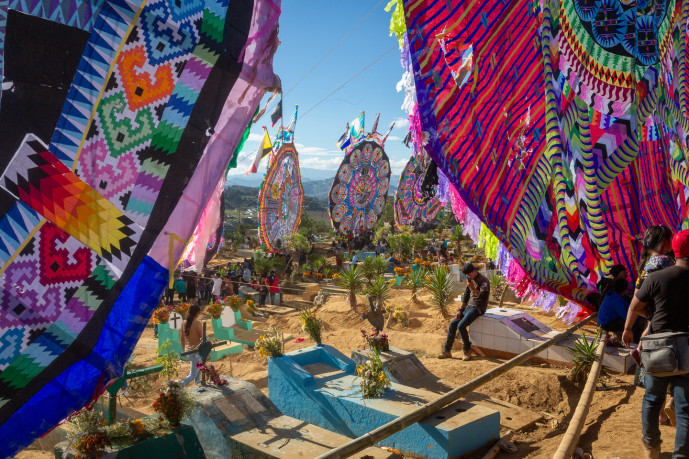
<point>474,304</point>
<point>669,290</point>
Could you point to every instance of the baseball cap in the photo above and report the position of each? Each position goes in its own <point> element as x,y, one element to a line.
<point>680,244</point>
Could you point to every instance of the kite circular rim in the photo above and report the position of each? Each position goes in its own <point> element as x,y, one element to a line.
<point>433,204</point>
<point>265,238</point>
<point>342,224</point>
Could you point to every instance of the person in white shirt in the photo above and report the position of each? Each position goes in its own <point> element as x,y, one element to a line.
<point>217,286</point>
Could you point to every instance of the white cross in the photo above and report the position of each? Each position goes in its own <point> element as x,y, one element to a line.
<point>174,318</point>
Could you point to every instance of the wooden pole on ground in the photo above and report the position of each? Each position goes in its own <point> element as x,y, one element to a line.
<point>384,431</point>
<point>571,437</point>
<point>496,448</point>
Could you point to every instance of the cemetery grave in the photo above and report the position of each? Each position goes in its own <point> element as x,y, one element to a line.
<point>318,385</point>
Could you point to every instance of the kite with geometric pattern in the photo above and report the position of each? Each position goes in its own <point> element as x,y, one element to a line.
<point>117,118</point>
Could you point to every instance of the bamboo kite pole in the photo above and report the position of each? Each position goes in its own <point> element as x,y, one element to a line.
<point>571,437</point>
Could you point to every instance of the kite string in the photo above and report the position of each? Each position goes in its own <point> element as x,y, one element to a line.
<point>332,49</point>
<point>348,81</point>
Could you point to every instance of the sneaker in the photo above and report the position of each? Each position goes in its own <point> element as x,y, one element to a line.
<point>467,355</point>
<point>651,452</point>
<point>445,355</point>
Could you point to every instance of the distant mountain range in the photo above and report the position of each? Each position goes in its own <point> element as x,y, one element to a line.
<point>317,185</point>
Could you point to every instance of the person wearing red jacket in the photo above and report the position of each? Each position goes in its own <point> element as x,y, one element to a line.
<point>272,283</point>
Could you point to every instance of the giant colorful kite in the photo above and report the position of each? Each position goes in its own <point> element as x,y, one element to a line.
<point>360,188</point>
<point>562,124</point>
<point>411,203</point>
<point>280,200</point>
<point>118,119</point>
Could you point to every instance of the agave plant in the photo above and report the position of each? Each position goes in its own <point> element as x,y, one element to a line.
<point>369,268</point>
<point>352,280</point>
<point>441,286</point>
<point>583,356</point>
<point>416,280</point>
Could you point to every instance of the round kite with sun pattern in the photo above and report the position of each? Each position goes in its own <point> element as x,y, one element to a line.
<point>411,204</point>
<point>280,200</point>
<point>358,194</point>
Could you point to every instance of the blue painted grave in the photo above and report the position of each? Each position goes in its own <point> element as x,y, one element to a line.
<point>318,385</point>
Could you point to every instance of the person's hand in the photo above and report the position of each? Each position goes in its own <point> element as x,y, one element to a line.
<point>458,316</point>
<point>627,337</point>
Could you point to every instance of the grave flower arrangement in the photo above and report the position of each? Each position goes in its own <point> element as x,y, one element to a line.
<point>417,261</point>
<point>376,341</point>
<point>90,438</point>
<point>399,315</point>
<point>336,276</point>
<point>269,346</point>
<point>182,309</point>
<point>400,271</point>
<point>212,374</point>
<point>319,276</point>
<point>251,306</point>
<point>173,403</point>
<point>306,274</point>
<point>311,325</point>
<point>233,301</point>
<point>161,316</point>
<point>215,309</point>
<point>373,380</point>
<point>92,444</point>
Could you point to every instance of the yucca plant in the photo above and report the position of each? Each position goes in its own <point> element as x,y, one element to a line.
<point>583,356</point>
<point>352,280</point>
<point>380,265</point>
<point>379,292</point>
<point>371,267</point>
<point>416,280</point>
<point>441,286</point>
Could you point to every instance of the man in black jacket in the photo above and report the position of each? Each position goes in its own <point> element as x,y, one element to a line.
<point>474,304</point>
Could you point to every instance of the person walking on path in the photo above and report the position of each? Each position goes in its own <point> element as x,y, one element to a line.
<point>181,289</point>
<point>216,291</point>
<point>474,304</point>
<point>668,290</point>
<point>190,338</point>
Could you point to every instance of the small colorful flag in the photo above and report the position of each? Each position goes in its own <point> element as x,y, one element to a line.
<point>388,133</point>
<point>345,140</point>
<point>277,113</point>
<point>263,150</point>
<point>375,124</point>
<point>356,128</point>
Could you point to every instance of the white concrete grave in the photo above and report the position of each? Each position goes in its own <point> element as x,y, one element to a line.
<point>227,317</point>
<point>512,332</point>
<point>175,321</point>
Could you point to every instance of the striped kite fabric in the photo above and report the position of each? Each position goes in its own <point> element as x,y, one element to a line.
<point>118,119</point>
<point>562,124</point>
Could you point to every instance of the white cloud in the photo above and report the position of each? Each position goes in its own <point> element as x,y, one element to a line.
<point>401,123</point>
<point>310,149</point>
<point>394,137</point>
<point>397,165</point>
<point>254,137</point>
<point>323,164</point>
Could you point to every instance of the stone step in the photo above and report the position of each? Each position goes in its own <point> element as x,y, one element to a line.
<point>238,420</point>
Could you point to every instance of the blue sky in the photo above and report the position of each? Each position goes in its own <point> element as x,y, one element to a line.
<point>308,30</point>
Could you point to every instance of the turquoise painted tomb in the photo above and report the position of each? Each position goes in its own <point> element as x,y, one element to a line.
<point>318,385</point>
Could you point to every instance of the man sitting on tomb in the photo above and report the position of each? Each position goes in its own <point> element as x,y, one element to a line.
<point>474,304</point>
<point>613,310</point>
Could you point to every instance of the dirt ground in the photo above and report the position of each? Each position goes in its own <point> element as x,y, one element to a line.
<point>613,425</point>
